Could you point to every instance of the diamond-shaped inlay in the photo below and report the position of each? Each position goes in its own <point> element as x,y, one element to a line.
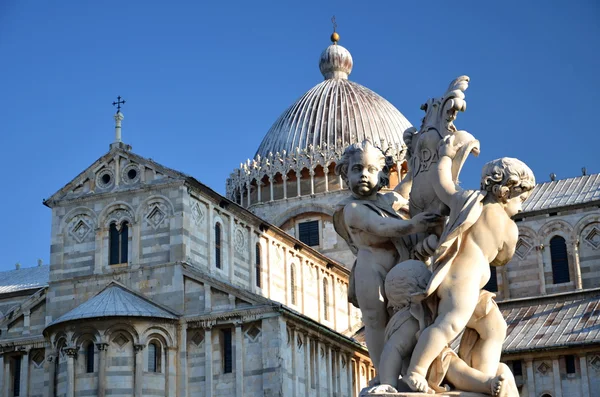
<point>156,216</point>
<point>80,230</point>
<point>595,362</point>
<point>198,338</point>
<point>253,333</point>
<point>543,368</point>
<point>593,238</point>
<point>38,358</point>
<point>197,214</point>
<point>121,340</point>
<point>523,248</point>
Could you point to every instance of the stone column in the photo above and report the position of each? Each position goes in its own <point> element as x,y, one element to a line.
<point>307,374</point>
<point>329,363</point>
<point>208,359</point>
<point>171,374</point>
<point>338,372</point>
<point>181,365</point>
<point>326,171</point>
<point>26,317</point>
<point>318,366</point>
<point>312,181</point>
<point>271,186</point>
<point>209,235</point>
<point>294,359</point>
<point>284,178</point>
<point>556,376</point>
<point>576,264</point>
<point>530,378</point>
<point>231,259</point>
<point>334,283</point>
<point>357,376</point>
<point>25,374</point>
<point>585,380</point>
<point>101,368</point>
<point>248,186</point>
<point>51,361</point>
<point>239,361</point>
<point>259,188</point>
<point>540,258</point>
<point>71,352</point>
<point>349,374</point>
<point>138,377</point>
<point>6,370</point>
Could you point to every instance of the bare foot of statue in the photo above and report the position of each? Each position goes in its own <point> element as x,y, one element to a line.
<point>418,383</point>
<point>383,389</point>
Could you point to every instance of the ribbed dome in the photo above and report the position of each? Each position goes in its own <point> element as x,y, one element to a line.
<point>335,113</point>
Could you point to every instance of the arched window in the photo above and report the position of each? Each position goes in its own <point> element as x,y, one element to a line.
<point>560,262</point>
<point>154,357</point>
<point>293,283</point>
<point>325,299</point>
<point>89,357</point>
<point>118,243</point>
<point>227,351</point>
<point>258,269</point>
<point>218,245</point>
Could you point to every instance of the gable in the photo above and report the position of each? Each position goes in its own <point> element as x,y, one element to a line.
<point>118,170</point>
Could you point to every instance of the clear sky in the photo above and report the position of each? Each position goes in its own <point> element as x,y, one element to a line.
<point>204,81</point>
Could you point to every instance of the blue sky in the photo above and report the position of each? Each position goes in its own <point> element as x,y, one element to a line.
<point>204,81</point>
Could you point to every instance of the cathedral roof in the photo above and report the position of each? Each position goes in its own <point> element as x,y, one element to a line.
<point>563,193</point>
<point>116,301</point>
<point>24,279</point>
<point>334,113</point>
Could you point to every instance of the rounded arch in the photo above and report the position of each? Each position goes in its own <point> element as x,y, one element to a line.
<point>582,224</point>
<point>155,199</point>
<point>78,211</point>
<point>282,218</point>
<point>545,394</point>
<point>527,232</point>
<point>59,340</point>
<point>113,331</point>
<point>557,226</point>
<point>159,333</point>
<point>84,334</point>
<point>116,212</point>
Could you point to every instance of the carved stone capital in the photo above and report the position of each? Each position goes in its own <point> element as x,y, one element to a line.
<point>138,347</point>
<point>70,351</point>
<point>102,346</point>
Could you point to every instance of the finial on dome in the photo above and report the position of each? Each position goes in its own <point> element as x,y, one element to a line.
<point>118,118</point>
<point>336,61</point>
<point>335,37</point>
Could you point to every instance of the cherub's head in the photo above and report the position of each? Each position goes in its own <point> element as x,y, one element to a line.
<point>364,169</point>
<point>510,181</point>
<point>406,278</point>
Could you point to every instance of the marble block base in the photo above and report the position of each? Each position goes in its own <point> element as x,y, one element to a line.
<point>413,394</point>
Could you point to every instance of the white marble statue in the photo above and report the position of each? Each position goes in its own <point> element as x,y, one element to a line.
<point>427,308</point>
<point>371,225</point>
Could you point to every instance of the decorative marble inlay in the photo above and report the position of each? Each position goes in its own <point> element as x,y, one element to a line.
<point>105,178</point>
<point>197,214</point>
<point>595,362</point>
<point>198,338</point>
<point>121,340</point>
<point>543,368</point>
<point>38,358</point>
<point>80,228</point>
<point>523,248</point>
<point>239,240</point>
<point>156,216</point>
<point>253,333</point>
<point>593,238</point>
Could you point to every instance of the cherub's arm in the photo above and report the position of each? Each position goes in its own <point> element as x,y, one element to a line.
<point>358,216</point>
<point>442,182</point>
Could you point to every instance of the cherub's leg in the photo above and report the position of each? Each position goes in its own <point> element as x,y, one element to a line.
<point>400,345</point>
<point>465,378</point>
<point>370,296</point>
<point>486,353</point>
<point>456,306</point>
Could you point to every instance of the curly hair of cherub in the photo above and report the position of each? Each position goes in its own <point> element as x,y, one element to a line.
<point>507,178</point>
<point>406,278</point>
<point>341,168</point>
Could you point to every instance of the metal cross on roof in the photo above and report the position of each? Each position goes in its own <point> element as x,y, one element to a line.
<point>334,23</point>
<point>118,103</point>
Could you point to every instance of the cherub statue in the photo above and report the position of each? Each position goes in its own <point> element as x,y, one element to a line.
<point>480,232</point>
<point>404,280</point>
<point>369,223</point>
